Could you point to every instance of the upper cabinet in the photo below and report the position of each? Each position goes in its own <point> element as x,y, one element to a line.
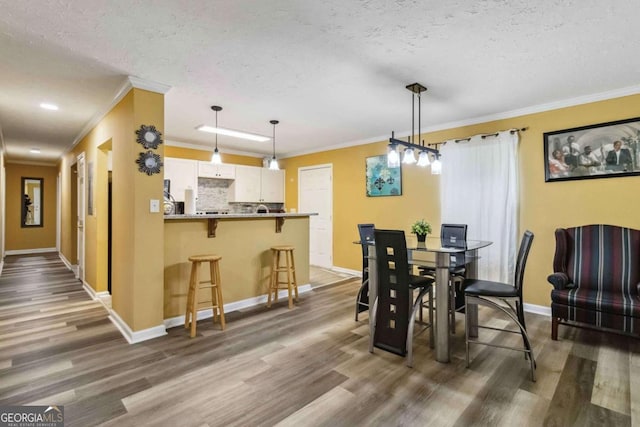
<point>209,170</point>
<point>253,184</point>
<point>182,174</point>
<point>271,186</point>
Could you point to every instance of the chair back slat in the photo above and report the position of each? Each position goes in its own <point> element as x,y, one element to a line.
<point>454,235</point>
<point>521,261</point>
<point>366,235</point>
<point>394,297</point>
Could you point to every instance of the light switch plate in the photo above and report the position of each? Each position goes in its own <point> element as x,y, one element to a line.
<point>154,205</point>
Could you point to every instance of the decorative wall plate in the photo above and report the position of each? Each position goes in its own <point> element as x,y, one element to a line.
<point>149,163</point>
<point>149,136</point>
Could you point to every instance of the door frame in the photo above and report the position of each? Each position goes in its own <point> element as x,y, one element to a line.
<point>320,166</point>
<point>81,194</point>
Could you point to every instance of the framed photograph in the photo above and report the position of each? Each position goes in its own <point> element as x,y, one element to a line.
<point>382,180</point>
<point>603,150</point>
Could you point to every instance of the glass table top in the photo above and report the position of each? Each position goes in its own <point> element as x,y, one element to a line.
<point>436,244</point>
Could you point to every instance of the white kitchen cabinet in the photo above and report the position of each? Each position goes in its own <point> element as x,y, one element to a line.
<point>182,174</point>
<point>257,185</point>
<point>209,170</point>
<point>271,186</point>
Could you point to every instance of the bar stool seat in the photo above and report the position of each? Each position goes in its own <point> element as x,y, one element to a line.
<point>217,304</point>
<point>289,269</point>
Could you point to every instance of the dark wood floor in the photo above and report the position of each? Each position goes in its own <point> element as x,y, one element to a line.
<point>299,367</point>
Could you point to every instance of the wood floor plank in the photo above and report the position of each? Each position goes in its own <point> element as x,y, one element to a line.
<point>611,382</point>
<point>306,366</point>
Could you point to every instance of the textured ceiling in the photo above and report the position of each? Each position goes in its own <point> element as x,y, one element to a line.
<point>332,71</point>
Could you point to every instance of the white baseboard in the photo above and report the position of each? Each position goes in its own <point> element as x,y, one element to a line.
<point>356,273</point>
<point>134,337</point>
<point>103,296</point>
<point>537,309</point>
<point>233,306</point>
<point>72,267</point>
<point>30,251</point>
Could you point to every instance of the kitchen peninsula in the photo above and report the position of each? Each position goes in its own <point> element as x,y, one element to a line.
<point>243,241</point>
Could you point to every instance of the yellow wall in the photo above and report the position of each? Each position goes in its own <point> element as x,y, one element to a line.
<point>204,155</point>
<point>138,235</point>
<point>17,237</point>
<point>543,206</point>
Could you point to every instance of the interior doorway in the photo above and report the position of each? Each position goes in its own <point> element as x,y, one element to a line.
<point>81,215</point>
<point>315,194</point>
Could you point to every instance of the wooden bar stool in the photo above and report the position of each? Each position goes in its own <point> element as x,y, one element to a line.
<point>191,315</point>
<point>288,268</point>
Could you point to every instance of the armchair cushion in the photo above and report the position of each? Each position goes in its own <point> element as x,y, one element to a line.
<point>597,301</point>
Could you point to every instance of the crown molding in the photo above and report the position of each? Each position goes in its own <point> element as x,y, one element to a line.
<point>540,108</point>
<point>203,147</point>
<point>149,85</point>
<point>29,163</point>
<point>129,83</point>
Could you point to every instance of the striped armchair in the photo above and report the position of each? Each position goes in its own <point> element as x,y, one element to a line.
<point>596,278</point>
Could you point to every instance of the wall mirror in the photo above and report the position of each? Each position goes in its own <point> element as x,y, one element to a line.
<point>32,197</point>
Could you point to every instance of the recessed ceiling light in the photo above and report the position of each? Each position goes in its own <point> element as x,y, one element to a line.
<point>35,151</point>
<point>233,133</point>
<point>47,106</point>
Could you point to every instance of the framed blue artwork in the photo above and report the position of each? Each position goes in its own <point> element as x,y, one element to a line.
<point>381,179</point>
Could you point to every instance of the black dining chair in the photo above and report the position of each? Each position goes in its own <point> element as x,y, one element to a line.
<point>455,236</point>
<point>483,291</point>
<point>395,309</point>
<point>366,237</point>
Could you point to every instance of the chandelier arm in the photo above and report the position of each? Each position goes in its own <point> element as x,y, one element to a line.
<point>414,146</point>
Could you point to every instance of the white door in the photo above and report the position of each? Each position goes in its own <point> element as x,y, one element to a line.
<point>81,211</point>
<point>315,194</point>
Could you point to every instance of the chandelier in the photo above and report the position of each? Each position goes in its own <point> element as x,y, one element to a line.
<point>410,147</point>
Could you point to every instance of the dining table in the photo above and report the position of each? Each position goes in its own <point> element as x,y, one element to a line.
<point>446,255</point>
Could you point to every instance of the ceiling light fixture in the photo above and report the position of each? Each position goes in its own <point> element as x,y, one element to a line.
<point>233,133</point>
<point>409,157</point>
<point>47,106</point>
<point>273,164</point>
<point>215,157</point>
<point>35,151</point>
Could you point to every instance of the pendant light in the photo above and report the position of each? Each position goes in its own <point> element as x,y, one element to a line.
<point>410,147</point>
<point>215,157</point>
<point>273,164</point>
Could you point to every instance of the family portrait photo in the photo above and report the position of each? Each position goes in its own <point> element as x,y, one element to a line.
<point>596,151</point>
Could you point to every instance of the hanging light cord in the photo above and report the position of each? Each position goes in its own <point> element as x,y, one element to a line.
<point>216,128</point>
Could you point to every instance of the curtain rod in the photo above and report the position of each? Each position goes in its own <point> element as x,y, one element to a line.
<point>514,130</point>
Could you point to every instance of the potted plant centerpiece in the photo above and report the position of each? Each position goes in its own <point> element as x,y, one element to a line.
<point>421,228</point>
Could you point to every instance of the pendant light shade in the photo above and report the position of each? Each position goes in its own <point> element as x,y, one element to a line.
<point>273,164</point>
<point>423,159</point>
<point>409,156</point>
<point>215,157</point>
<point>436,166</point>
<point>393,158</point>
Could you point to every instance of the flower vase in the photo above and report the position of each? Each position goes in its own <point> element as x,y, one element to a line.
<point>421,237</point>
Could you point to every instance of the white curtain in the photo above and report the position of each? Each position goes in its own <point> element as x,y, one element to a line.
<point>479,187</point>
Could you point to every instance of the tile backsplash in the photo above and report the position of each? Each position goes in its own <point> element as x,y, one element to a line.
<point>213,195</point>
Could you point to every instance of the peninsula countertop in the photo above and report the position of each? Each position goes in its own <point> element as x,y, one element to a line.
<point>240,215</point>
